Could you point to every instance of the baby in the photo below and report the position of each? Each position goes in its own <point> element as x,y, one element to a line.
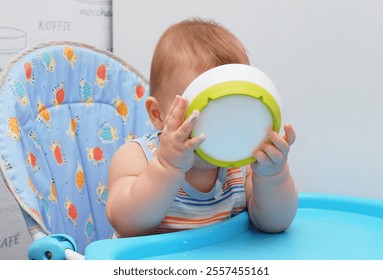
<point>158,184</point>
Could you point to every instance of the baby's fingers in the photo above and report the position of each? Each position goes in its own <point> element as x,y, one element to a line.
<point>187,126</point>
<point>262,157</point>
<point>175,117</point>
<point>279,142</point>
<point>283,143</point>
<point>172,107</point>
<point>289,134</point>
<point>195,142</point>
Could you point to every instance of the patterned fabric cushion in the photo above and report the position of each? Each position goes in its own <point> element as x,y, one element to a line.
<point>65,109</point>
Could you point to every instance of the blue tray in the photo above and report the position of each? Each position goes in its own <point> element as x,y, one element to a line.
<point>327,227</point>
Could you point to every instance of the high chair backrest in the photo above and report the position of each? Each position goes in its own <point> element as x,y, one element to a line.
<point>66,107</point>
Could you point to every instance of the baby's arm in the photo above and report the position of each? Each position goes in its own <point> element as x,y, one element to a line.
<point>270,189</point>
<point>140,193</point>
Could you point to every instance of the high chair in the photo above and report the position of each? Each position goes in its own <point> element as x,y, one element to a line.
<point>66,107</point>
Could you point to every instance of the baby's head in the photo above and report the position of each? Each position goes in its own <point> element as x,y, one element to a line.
<point>186,50</point>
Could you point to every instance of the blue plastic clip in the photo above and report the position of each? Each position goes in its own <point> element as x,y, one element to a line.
<point>51,247</point>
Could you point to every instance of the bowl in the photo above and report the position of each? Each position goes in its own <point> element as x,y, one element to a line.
<point>238,105</point>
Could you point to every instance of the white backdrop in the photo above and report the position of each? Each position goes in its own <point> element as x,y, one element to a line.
<point>326,59</point>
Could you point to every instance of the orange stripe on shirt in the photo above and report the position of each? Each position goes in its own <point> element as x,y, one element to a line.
<point>181,192</point>
<point>196,222</point>
<point>233,171</point>
<point>168,230</point>
<point>237,210</point>
<point>180,220</point>
<point>232,182</point>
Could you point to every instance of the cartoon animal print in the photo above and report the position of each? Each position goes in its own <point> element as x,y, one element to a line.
<point>139,92</point>
<point>70,55</point>
<point>35,139</point>
<point>29,75</point>
<point>48,62</point>
<point>43,114</point>
<point>32,186</point>
<point>130,136</point>
<point>19,91</point>
<point>122,109</point>
<point>32,162</point>
<point>53,195</point>
<point>7,164</point>
<point>89,229</point>
<point>58,94</point>
<point>56,149</point>
<point>13,129</point>
<point>73,127</point>
<point>107,133</point>
<point>97,155</point>
<point>102,193</point>
<point>102,75</point>
<point>86,93</point>
<point>71,211</point>
<point>79,178</point>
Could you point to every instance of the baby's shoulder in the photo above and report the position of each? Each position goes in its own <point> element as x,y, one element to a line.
<point>128,152</point>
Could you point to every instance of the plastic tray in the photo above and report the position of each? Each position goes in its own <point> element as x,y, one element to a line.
<point>327,227</point>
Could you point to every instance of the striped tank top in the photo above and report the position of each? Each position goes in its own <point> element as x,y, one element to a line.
<point>192,208</point>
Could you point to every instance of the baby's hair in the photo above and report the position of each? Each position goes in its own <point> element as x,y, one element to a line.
<point>197,44</point>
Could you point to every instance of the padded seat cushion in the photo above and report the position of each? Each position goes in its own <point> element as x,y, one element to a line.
<point>65,109</point>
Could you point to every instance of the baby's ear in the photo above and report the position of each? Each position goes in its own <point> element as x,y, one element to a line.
<point>154,112</point>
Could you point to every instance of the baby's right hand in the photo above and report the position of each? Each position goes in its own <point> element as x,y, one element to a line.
<point>176,148</point>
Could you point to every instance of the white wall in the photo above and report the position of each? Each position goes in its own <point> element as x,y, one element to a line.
<point>326,60</point>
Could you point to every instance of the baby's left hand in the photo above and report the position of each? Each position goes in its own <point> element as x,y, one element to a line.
<point>272,154</point>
